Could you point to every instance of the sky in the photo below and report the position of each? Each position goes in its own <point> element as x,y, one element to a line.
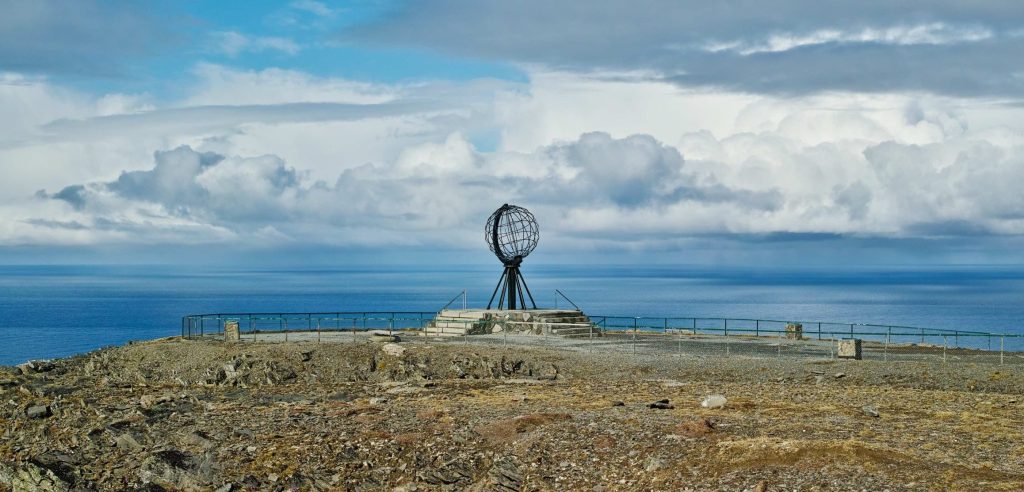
<point>737,132</point>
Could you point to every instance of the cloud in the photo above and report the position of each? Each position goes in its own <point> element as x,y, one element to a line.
<point>77,37</point>
<point>216,119</point>
<point>233,43</point>
<point>934,33</point>
<point>791,47</point>
<point>424,194</point>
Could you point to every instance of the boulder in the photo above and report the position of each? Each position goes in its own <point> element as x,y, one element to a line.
<point>714,401</point>
<point>29,477</point>
<point>393,349</point>
<point>34,366</point>
<point>38,412</point>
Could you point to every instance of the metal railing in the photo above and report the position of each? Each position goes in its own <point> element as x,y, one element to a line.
<point>633,330</point>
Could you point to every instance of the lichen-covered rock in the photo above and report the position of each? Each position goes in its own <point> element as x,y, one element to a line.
<point>28,477</point>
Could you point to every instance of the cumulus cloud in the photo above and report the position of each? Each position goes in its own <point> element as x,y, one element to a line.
<point>425,192</point>
<point>785,47</point>
<point>595,186</point>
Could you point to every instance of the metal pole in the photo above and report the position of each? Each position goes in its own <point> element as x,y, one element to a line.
<point>679,341</point>
<point>944,343</point>
<point>922,336</point>
<point>888,334</point>
<point>819,330</point>
<point>1001,339</point>
<point>634,336</point>
<point>285,329</point>
<point>318,330</point>
<point>353,329</point>
<point>851,330</point>
<point>725,321</point>
<point>757,328</point>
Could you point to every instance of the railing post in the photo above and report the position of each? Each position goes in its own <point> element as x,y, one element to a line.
<point>956,339</point>
<point>888,334</point>
<point>634,336</point>
<point>591,337</point>
<point>1001,340</point>
<point>757,327</point>
<point>285,321</point>
<point>945,341</point>
<point>318,330</point>
<point>851,330</point>
<point>819,330</point>
<point>725,322</point>
<point>922,336</point>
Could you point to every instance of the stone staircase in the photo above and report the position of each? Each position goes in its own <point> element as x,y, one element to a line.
<point>458,322</point>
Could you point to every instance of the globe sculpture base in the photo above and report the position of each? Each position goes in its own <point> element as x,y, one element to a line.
<point>512,287</point>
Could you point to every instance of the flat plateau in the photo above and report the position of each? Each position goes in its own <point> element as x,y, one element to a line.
<point>207,415</point>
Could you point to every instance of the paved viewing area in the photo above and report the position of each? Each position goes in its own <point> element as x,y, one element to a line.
<point>646,344</point>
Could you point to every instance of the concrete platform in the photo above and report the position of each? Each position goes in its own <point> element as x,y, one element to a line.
<point>560,322</point>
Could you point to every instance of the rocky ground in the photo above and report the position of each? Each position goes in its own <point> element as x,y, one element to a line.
<point>205,415</point>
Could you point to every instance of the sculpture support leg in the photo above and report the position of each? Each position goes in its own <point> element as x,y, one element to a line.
<point>512,281</point>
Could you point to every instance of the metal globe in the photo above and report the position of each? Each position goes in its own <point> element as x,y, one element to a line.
<point>511,233</point>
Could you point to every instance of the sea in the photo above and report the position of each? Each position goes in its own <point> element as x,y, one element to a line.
<point>54,311</point>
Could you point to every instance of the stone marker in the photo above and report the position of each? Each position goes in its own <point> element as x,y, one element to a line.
<point>795,331</point>
<point>231,331</point>
<point>849,348</point>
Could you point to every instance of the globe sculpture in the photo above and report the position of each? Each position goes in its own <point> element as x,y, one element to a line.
<point>512,234</point>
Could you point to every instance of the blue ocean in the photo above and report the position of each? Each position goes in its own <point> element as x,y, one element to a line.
<point>53,311</point>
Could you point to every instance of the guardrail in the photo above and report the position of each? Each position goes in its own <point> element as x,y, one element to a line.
<point>202,324</point>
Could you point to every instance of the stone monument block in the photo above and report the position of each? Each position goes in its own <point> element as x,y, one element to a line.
<point>795,331</point>
<point>849,348</point>
<point>231,333</point>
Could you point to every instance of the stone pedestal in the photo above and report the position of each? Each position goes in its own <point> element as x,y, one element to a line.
<point>849,348</point>
<point>795,331</point>
<point>231,333</point>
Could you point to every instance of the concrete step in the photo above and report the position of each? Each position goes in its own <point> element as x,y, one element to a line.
<point>441,335</point>
<point>566,319</point>
<point>449,330</point>
<point>453,324</point>
<point>585,330</point>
